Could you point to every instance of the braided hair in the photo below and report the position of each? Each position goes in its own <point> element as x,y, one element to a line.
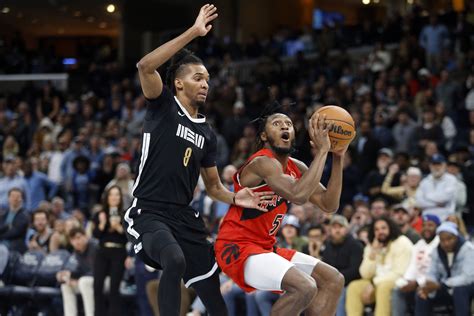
<point>181,58</point>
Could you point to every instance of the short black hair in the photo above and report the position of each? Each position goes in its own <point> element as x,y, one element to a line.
<point>317,226</point>
<point>181,58</point>
<point>395,231</point>
<point>39,211</point>
<point>76,230</point>
<point>17,189</point>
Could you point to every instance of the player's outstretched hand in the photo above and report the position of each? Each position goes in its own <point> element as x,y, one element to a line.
<point>249,199</point>
<point>207,14</point>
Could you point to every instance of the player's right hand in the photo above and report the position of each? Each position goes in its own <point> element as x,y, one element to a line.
<point>319,132</point>
<point>207,14</point>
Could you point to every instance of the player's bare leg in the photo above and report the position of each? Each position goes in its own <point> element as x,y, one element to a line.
<point>330,285</point>
<point>300,290</point>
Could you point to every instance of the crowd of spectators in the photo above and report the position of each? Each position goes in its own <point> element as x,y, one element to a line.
<point>407,207</point>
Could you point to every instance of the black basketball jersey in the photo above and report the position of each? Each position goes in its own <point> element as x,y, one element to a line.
<point>174,148</point>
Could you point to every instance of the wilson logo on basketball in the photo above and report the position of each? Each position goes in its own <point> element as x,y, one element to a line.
<point>339,130</point>
<point>231,252</point>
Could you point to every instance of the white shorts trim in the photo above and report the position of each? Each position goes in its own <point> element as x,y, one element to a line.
<point>266,271</point>
<point>201,277</point>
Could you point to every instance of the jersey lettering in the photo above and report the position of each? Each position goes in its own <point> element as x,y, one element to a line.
<point>192,137</point>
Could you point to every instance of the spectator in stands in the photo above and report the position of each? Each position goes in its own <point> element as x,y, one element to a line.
<point>447,125</point>
<point>450,274</point>
<point>41,238</point>
<point>344,253</point>
<point>454,168</point>
<point>366,147</point>
<point>58,210</point>
<point>316,237</point>
<point>111,254</point>
<point>39,187</point>
<point>56,158</point>
<point>76,149</point>
<point>434,38</point>
<point>406,192</point>
<point>123,179</point>
<point>96,154</point>
<point>403,295</point>
<point>80,184</point>
<point>360,219</point>
<point>386,259</point>
<point>437,192</point>
<point>379,59</point>
<point>11,179</point>
<point>402,216</point>
<point>456,219</point>
<point>79,279</point>
<point>60,237</point>
<point>351,176</point>
<point>227,175</point>
<point>378,208</point>
<point>14,222</point>
<point>403,131</point>
<point>381,132</point>
<point>373,181</point>
<point>428,130</point>
<point>290,234</point>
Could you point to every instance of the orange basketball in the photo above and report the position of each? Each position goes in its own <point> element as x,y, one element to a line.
<point>343,131</point>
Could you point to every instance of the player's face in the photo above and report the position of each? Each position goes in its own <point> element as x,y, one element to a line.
<point>194,83</point>
<point>279,133</point>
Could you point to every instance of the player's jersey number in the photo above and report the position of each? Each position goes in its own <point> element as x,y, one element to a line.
<point>276,224</point>
<point>187,156</point>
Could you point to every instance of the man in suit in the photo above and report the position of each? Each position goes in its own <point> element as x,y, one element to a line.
<point>14,222</point>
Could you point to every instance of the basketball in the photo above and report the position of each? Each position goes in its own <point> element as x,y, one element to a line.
<point>343,131</point>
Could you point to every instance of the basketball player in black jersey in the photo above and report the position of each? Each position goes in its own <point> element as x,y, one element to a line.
<point>178,145</point>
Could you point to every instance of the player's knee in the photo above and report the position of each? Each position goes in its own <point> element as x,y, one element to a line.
<point>308,291</point>
<point>339,281</point>
<point>173,258</point>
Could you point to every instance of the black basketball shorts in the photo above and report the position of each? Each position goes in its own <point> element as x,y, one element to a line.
<point>186,226</point>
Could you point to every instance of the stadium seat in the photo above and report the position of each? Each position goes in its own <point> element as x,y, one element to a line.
<point>20,274</point>
<point>51,264</point>
<point>13,258</point>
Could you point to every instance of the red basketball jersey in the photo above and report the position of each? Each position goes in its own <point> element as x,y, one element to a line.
<point>251,225</point>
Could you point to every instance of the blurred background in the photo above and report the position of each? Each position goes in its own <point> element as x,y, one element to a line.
<point>71,111</point>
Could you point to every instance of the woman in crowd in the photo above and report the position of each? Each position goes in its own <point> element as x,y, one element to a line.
<point>111,255</point>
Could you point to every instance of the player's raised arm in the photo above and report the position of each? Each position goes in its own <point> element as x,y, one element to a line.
<point>150,80</point>
<point>297,191</point>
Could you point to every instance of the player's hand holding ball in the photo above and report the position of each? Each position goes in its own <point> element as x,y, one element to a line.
<point>319,129</point>
<point>207,14</point>
<point>342,132</point>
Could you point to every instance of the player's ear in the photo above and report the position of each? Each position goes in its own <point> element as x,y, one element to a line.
<point>263,137</point>
<point>178,83</point>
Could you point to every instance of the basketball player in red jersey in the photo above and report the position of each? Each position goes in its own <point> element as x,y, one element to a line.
<point>245,246</point>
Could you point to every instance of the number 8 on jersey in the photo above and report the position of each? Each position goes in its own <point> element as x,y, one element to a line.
<point>187,156</point>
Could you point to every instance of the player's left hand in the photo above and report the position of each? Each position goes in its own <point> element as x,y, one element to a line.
<point>207,14</point>
<point>249,199</point>
<point>341,152</point>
